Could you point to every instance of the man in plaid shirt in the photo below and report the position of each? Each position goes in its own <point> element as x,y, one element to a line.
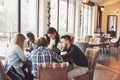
<point>42,55</point>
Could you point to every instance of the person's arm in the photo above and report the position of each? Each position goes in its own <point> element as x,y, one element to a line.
<point>20,53</point>
<point>52,43</point>
<point>5,64</point>
<point>69,56</point>
<point>32,55</point>
<point>56,57</point>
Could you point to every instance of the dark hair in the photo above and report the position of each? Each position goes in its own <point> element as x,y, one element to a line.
<point>30,34</point>
<point>42,42</point>
<point>52,30</point>
<point>67,37</point>
<point>48,39</point>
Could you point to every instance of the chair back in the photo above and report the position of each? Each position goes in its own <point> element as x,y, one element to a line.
<point>82,46</point>
<point>95,40</point>
<point>53,71</point>
<point>2,72</point>
<point>113,47</point>
<point>87,38</point>
<point>92,56</point>
<point>117,43</point>
<point>106,35</point>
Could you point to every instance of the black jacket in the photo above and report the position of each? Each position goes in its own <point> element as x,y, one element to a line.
<point>74,54</point>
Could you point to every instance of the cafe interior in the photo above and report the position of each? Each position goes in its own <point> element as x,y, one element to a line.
<point>92,24</point>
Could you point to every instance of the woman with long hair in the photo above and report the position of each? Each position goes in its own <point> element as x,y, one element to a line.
<point>15,55</point>
<point>54,40</point>
<point>53,34</point>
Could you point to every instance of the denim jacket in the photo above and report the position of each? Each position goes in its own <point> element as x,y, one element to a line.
<point>14,58</point>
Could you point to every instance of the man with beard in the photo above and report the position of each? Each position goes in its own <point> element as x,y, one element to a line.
<point>77,60</point>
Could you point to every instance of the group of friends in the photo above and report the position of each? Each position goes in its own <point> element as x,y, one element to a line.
<point>46,49</point>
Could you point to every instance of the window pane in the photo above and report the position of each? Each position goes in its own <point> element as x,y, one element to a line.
<point>71,19</point>
<point>62,16</point>
<point>53,13</point>
<point>8,23</point>
<point>28,16</point>
<point>87,27</point>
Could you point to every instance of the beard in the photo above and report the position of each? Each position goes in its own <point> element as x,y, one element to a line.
<point>65,47</point>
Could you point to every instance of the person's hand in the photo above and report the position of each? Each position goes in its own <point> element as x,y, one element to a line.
<point>63,53</point>
<point>48,48</point>
<point>29,49</point>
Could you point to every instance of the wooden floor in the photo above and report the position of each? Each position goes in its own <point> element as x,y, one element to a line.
<point>108,67</point>
<point>105,73</point>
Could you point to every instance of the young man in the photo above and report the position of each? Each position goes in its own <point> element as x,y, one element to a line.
<point>77,60</point>
<point>30,42</point>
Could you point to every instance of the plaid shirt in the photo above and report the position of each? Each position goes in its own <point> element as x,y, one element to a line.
<point>42,55</point>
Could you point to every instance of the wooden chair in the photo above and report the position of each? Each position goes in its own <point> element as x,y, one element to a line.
<point>113,47</point>
<point>92,56</point>
<point>96,42</point>
<point>54,71</point>
<point>87,38</point>
<point>3,75</point>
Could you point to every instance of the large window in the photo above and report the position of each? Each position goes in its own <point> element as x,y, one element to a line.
<point>65,20</point>
<point>28,16</point>
<point>9,20</point>
<point>71,16</point>
<point>8,23</point>
<point>87,27</point>
<point>62,15</point>
<point>54,13</point>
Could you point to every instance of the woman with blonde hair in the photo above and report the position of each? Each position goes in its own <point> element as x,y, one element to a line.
<point>15,55</point>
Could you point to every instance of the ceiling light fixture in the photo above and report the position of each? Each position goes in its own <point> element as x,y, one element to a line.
<point>116,12</point>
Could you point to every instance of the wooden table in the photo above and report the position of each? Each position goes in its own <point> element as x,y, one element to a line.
<point>96,44</point>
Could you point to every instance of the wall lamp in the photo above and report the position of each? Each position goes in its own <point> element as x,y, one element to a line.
<point>102,8</point>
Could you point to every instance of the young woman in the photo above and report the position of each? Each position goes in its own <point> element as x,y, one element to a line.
<point>54,40</point>
<point>15,55</point>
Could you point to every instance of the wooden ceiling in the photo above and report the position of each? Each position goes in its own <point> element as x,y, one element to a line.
<point>105,2</point>
<point>99,2</point>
